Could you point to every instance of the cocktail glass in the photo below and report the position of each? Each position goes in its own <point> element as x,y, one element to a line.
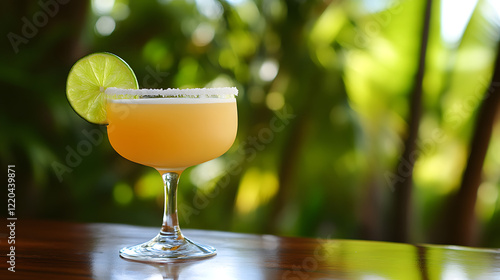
<point>171,130</point>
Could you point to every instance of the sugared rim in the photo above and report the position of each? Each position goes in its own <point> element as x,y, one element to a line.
<point>175,92</point>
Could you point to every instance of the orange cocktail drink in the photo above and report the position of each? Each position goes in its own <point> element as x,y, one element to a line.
<point>171,133</point>
<point>170,130</point>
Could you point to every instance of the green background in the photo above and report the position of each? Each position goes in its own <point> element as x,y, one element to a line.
<point>323,108</point>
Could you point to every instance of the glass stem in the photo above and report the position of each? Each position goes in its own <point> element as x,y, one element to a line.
<point>170,227</point>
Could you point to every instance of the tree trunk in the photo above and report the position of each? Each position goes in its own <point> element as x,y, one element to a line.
<point>401,210</point>
<point>462,229</point>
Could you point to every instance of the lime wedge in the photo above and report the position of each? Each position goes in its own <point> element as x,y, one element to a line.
<point>90,77</point>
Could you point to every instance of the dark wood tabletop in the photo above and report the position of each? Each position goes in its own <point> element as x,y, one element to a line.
<point>63,250</point>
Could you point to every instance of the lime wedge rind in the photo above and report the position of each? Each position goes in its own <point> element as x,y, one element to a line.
<point>90,77</point>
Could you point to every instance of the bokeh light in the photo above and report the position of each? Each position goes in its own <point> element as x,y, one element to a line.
<point>105,25</point>
<point>102,7</point>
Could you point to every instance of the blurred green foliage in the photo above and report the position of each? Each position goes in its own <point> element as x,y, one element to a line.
<point>323,105</point>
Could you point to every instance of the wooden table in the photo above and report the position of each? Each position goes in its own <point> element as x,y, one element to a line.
<point>62,250</point>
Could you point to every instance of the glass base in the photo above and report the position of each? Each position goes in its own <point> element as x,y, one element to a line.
<point>162,249</point>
